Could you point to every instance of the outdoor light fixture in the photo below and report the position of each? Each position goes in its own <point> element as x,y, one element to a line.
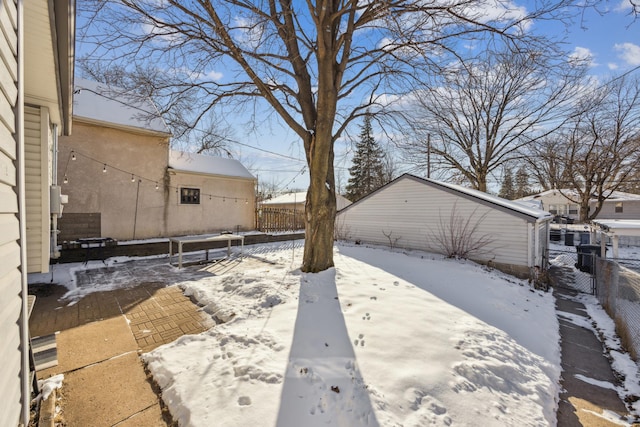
<point>66,180</point>
<point>73,155</point>
<point>104,168</point>
<point>133,178</point>
<point>157,186</point>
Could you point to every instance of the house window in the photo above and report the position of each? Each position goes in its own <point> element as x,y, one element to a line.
<point>189,196</point>
<point>619,207</point>
<point>573,209</point>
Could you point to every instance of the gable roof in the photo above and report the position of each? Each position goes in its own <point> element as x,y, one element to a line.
<point>210,165</point>
<point>101,104</point>
<point>470,194</point>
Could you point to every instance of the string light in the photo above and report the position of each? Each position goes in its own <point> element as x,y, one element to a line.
<point>73,155</point>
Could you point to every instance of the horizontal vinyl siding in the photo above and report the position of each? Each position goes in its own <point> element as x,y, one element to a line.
<point>630,210</point>
<point>10,275</point>
<point>36,181</point>
<point>412,213</point>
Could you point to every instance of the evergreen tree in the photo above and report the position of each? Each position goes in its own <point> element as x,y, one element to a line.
<point>367,173</point>
<point>507,190</point>
<point>522,183</point>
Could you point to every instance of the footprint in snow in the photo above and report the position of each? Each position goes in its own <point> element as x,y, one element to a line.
<point>359,341</point>
<point>366,317</point>
<point>244,401</point>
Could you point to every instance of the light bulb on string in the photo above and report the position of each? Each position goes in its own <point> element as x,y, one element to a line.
<point>73,155</point>
<point>157,186</point>
<point>133,178</point>
<point>66,180</point>
<point>104,168</point>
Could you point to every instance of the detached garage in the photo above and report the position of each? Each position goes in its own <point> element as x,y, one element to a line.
<point>423,214</point>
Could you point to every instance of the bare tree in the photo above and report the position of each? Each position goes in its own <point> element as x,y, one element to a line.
<point>598,150</point>
<point>478,115</point>
<point>208,136</point>
<point>317,65</point>
<point>460,237</point>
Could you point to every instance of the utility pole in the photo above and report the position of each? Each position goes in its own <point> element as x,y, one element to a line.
<point>429,156</point>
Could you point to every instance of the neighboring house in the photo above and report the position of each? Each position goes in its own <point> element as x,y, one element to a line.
<point>415,213</point>
<point>36,78</point>
<point>211,194</point>
<point>619,205</point>
<point>123,181</point>
<point>296,201</point>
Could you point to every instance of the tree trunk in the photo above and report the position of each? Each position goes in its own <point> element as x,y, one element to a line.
<point>320,209</point>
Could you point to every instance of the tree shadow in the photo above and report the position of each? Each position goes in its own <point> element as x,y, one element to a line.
<point>323,384</point>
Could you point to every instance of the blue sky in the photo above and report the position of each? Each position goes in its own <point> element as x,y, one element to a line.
<point>610,39</point>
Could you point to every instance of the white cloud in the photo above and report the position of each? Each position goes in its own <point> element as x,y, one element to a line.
<point>629,52</point>
<point>623,6</point>
<point>612,66</point>
<point>583,55</point>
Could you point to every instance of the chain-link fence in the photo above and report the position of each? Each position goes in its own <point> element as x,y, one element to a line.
<point>618,290</point>
<point>576,268</point>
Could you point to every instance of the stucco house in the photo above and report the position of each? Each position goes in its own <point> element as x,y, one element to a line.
<point>619,205</point>
<point>416,213</point>
<point>296,201</point>
<point>36,78</point>
<point>124,182</point>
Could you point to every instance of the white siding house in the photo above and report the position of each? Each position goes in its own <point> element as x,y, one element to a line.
<point>296,201</point>
<point>36,74</point>
<point>412,213</point>
<point>618,205</point>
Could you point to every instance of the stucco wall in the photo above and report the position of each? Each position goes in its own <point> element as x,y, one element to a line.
<point>225,204</point>
<point>113,194</point>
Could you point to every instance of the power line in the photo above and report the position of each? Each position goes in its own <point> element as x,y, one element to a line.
<point>74,154</point>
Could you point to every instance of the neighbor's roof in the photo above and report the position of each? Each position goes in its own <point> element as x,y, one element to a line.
<point>621,227</point>
<point>487,199</point>
<point>299,197</point>
<point>200,163</point>
<point>99,103</point>
<point>615,196</point>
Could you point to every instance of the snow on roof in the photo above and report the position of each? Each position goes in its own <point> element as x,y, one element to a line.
<point>619,226</point>
<point>200,163</point>
<point>98,102</point>
<point>298,197</point>
<point>615,196</point>
<point>499,201</point>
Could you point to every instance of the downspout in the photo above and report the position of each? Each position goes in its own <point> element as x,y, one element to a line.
<point>22,221</point>
<point>53,241</point>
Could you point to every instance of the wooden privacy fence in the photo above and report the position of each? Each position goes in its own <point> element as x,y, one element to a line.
<point>278,219</point>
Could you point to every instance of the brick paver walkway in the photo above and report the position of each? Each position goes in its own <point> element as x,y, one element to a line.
<point>94,335</point>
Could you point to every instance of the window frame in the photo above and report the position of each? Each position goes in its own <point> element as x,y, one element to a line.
<point>618,207</point>
<point>189,199</point>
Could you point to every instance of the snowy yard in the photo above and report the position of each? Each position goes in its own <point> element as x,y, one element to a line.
<point>383,339</point>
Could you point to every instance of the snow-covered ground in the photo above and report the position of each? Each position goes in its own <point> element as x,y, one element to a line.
<point>383,339</point>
